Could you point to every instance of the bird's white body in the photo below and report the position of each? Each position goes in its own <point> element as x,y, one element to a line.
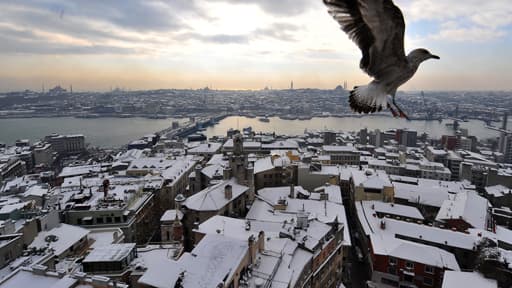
<point>373,95</point>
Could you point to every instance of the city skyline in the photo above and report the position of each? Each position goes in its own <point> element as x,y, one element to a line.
<point>226,45</point>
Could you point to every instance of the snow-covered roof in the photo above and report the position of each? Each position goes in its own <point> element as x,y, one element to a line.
<point>339,149</point>
<point>497,190</point>
<point>178,167</point>
<point>246,144</point>
<point>218,159</point>
<point>9,208</point>
<point>426,191</point>
<point>66,237</point>
<point>214,260</point>
<point>80,170</point>
<point>333,192</point>
<point>394,209</point>
<point>151,163</point>
<point>267,163</point>
<point>281,144</point>
<point>376,179</point>
<point>467,206</point>
<point>394,228</point>
<point>104,236</point>
<point>129,155</point>
<point>213,198</point>
<point>273,194</point>
<point>36,190</point>
<point>384,242</point>
<point>213,171</point>
<point>206,148</point>
<point>322,211</point>
<point>170,215</point>
<point>467,279</point>
<point>26,278</point>
<point>110,253</point>
<point>294,259</point>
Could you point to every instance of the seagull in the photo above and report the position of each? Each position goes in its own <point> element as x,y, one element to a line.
<point>377,27</point>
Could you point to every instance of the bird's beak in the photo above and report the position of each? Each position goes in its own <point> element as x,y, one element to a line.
<point>434,57</point>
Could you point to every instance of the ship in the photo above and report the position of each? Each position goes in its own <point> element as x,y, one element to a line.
<point>264,119</point>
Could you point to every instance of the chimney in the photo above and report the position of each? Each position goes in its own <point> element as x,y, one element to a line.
<point>292,191</point>
<point>261,241</point>
<point>106,184</point>
<point>227,173</point>
<point>252,248</point>
<point>228,191</point>
<point>177,230</point>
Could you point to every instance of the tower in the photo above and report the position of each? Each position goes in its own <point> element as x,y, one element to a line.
<point>505,119</point>
<point>238,160</point>
<point>291,85</point>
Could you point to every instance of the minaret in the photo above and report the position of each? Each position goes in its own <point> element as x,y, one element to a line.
<point>505,119</point>
<point>177,226</point>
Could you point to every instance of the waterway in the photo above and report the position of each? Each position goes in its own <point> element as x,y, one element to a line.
<point>115,132</point>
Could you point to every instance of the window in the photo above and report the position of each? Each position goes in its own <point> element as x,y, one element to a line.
<point>392,261</point>
<point>392,270</point>
<point>109,219</point>
<point>99,220</point>
<point>409,265</point>
<point>428,281</point>
<point>429,269</point>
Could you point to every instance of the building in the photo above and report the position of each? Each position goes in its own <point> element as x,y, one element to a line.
<point>329,137</point>
<point>110,260</point>
<point>399,261</point>
<point>407,138</point>
<point>273,171</point>
<point>66,144</point>
<point>224,198</point>
<point>505,146</point>
<point>116,202</point>
<point>467,279</point>
<point>63,240</point>
<point>370,185</point>
<point>283,211</point>
<point>216,261</point>
<point>342,155</point>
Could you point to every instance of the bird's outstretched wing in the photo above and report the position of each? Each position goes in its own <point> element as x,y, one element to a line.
<point>377,27</point>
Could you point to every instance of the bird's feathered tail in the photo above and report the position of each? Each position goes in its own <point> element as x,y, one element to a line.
<point>367,99</point>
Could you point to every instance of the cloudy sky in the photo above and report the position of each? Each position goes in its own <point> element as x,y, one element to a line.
<point>238,44</point>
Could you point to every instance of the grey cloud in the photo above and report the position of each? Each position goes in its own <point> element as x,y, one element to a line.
<point>139,15</point>
<point>86,20</point>
<point>216,38</point>
<point>15,46</point>
<point>279,31</point>
<point>278,7</point>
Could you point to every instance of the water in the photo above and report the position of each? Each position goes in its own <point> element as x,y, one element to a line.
<point>115,132</point>
<point>296,127</point>
<point>103,132</point>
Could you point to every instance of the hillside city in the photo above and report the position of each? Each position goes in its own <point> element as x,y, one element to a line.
<point>327,208</point>
<point>288,103</point>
